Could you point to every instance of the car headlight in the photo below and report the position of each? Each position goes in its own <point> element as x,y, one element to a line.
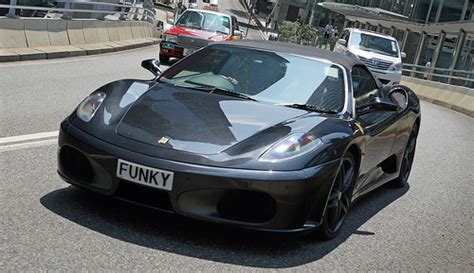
<point>170,38</point>
<point>290,147</point>
<point>87,108</point>
<point>396,67</point>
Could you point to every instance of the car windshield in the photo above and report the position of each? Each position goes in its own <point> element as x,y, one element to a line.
<point>205,20</point>
<point>270,77</point>
<point>375,44</point>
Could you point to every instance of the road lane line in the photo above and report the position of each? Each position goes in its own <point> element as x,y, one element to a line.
<point>13,147</point>
<point>29,137</point>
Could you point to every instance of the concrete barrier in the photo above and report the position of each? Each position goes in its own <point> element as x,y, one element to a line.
<point>102,32</point>
<point>75,32</point>
<point>57,33</point>
<point>112,29</point>
<point>13,42</point>
<point>91,35</point>
<point>12,33</point>
<point>38,38</point>
<point>36,32</point>
<point>458,98</point>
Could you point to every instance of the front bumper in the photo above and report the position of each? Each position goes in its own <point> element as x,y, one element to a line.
<point>281,201</point>
<point>387,77</point>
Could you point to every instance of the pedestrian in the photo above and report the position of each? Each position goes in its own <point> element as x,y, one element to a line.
<point>428,70</point>
<point>328,30</point>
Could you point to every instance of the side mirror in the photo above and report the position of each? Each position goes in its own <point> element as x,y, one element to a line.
<point>152,65</point>
<point>170,21</point>
<point>403,55</point>
<point>342,42</point>
<point>378,104</point>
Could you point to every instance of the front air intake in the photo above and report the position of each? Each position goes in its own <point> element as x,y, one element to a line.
<point>247,206</point>
<point>75,164</point>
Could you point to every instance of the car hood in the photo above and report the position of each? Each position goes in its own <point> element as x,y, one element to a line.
<point>197,33</point>
<point>198,122</point>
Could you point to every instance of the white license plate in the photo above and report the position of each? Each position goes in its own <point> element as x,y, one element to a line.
<point>187,51</point>
<point>144,175</point>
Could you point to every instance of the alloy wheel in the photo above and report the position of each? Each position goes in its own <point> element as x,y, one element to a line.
<point>340,198</point>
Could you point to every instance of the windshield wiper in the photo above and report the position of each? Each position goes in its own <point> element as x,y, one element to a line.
<point>213,89</point>
<point>310,107</point>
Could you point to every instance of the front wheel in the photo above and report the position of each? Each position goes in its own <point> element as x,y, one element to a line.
<point>407,160</point>
<point>339,200</point>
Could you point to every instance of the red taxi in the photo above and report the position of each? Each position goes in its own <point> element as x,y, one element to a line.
<point>196,29</point>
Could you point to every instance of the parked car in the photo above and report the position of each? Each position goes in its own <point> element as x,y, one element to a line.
<point>256,134</point>
<point>196,29</point>
<point>381,53</point>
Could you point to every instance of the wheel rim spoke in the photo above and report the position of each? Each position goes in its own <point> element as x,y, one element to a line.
<point>333,217</point>
<point>347,179</point>
<point>339,200</point>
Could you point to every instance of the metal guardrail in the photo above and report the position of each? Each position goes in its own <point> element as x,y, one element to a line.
<point>441,74</point>
<point>130,10</point>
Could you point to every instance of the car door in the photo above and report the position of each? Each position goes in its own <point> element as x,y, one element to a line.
<point>378,126</point>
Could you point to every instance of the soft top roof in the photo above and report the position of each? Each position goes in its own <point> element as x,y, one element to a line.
<point>347,61</point>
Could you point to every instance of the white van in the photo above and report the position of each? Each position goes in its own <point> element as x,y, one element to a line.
<point>380,53</point>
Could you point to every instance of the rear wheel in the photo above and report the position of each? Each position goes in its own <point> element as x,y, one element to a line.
<point>407,160</point>
<point>339,200</point>
<point>164,59</point>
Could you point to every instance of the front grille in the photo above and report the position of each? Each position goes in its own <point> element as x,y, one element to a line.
<point>376,63</point>
<point>247,206</point>
<point>191,42</point>
<point>143,195</point>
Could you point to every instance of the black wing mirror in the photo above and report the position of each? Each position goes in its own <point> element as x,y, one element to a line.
<point>378,104</point>
<point>152,65</point>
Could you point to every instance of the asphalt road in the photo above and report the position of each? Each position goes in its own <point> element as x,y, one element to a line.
<point>47,225</point>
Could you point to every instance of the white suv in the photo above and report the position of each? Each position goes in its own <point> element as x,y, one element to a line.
<point>380,53</point>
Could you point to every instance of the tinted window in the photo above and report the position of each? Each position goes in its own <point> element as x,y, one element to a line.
<point>364,85</point>
<point>205,20</point>
<point>271,77</point>
<point>375,44</point>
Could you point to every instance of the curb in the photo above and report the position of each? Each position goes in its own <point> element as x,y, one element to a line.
<point>46,53</point>
<point>457,98</point>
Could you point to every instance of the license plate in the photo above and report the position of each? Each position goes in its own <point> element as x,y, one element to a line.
<point>187,51</point>
<point>144,175</point>
<point>167,45</point>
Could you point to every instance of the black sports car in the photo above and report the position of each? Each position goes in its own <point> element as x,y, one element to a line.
<point>257,134</point>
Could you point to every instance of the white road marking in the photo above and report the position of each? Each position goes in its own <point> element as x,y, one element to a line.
<point>29,137</point>
<point>28,141</point>
<point>13,147</point>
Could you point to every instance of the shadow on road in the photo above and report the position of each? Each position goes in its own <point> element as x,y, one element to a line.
<point>174,234</point>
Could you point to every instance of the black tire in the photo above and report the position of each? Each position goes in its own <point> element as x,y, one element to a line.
<point>164,59</point>
<point>407,160</point>
<point>339,199</point>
